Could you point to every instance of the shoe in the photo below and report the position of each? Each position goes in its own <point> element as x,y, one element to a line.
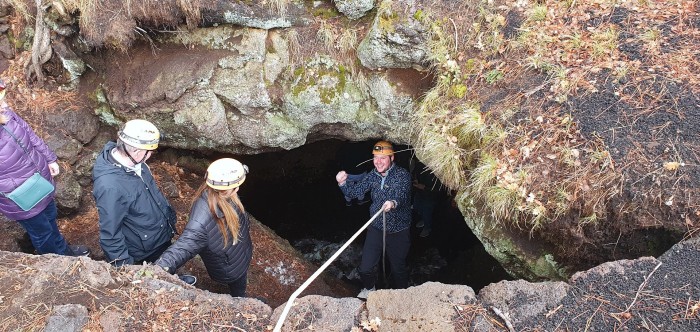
<point>77,250</point>
<point>425,232</point>
<point>365,292</point>
<point>420,224</point>
<point>188,279</point>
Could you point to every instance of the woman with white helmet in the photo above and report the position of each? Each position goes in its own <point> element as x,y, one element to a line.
<point>218,229</point>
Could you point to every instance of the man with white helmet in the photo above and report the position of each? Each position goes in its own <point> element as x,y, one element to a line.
<point>137,222</point>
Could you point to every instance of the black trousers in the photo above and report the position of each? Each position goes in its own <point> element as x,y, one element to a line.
<point>237,288</point>
<point>397,245</point>
<point>155,255</point>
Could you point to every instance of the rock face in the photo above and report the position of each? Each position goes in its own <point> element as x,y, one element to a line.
<point>228,97</point>
<point>637,294</point>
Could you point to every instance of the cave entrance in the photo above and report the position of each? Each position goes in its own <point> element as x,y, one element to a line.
<point>295,193</point>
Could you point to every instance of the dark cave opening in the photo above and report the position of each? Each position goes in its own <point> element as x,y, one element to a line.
<point>295,193</point>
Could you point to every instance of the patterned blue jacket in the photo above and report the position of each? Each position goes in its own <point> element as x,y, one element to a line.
<point>395,186</point>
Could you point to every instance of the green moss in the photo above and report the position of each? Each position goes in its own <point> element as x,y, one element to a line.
<point>419,15</point>
<point>330,82</point>
<point>493,76</point>
<point>106,114</point>
<point>546,267</point>
<point>387,21</point>
<point>458,90</point>
<point>325,13</point>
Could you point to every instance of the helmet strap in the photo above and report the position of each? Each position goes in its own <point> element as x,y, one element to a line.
<point>123,148</point>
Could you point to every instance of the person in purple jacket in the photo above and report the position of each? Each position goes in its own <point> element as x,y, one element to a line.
<point>16,166</point>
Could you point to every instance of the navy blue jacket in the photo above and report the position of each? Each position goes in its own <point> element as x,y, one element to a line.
<point>202,236</point>
<point>135,217</point>
<point>395,186</point>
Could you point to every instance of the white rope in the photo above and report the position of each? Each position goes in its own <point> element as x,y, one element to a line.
<point>290,302</point>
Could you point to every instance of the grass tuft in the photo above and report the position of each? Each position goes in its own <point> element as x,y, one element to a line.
<point>501,201</point>
<point>484,174</point>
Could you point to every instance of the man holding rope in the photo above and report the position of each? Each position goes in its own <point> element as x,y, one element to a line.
<point>390,188</point>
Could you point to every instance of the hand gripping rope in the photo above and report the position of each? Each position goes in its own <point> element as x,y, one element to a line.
<point>290,302</point>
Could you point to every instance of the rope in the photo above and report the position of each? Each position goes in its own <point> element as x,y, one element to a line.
<point>290,302</point>
<point>384,276</point>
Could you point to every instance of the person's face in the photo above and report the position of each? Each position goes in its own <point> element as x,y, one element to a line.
<point>382,163</point>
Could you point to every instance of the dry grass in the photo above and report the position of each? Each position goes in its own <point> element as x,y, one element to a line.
<point>115,23</point>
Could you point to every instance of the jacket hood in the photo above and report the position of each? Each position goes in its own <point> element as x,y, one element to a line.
<point>105,164</point>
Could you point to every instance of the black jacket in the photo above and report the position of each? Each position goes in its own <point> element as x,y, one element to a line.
<point>135,217</point>
<point>202,236</point>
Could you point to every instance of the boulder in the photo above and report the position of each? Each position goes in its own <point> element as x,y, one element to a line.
<point>67,318</point>
<point>396,39</point>
<point>320,313</point>
<point>354,9</point>
<point>68,193</point>
<point>66,148</point>
<point>418,308</point>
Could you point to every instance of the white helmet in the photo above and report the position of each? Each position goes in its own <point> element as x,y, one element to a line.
<point>226,173</point>
<point>140,134</point>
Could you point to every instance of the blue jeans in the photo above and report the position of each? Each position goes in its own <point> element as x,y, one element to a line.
<point>44,233</point>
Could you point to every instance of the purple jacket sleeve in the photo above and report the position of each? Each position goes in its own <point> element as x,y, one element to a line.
<point>36,141</point>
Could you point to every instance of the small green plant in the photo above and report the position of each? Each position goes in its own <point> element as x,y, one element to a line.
<point>539,13</point>
<point>604,42</point>
<point>574,42</point>
<point>459,90</point>
<point>493,76</point>
<point>537,215</point>
<point>537,61</point>
<point>592,219</point>
<point>652,39</point>
<point>651,35</point>
<point>419,15</point>
<point>562,201</point>
<point>621,72</point>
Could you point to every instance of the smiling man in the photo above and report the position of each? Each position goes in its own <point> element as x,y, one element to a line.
<point>390,188</point>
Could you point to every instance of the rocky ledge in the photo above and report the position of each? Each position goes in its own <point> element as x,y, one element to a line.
<point>56,293</point>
